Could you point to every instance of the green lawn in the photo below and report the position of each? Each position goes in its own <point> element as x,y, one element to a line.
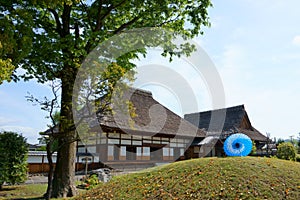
<point>207,178</point>
<point>30,191</point>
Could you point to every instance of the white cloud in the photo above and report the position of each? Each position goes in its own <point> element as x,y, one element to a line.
<point>296,40</point>
<point>233,57</point>
<point>30,133</point>
<point>5,121</point>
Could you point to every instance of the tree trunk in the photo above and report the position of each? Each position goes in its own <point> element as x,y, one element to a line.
<point>51,169</point>
<point>63,181</point>
<point>64,175</point>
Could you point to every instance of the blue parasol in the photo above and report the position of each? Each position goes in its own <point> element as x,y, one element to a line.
<point>238,144</point>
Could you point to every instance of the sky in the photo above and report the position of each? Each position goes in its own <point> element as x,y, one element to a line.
<point>255,46</point>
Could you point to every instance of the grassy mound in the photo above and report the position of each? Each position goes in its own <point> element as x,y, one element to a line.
<point>207,178</point>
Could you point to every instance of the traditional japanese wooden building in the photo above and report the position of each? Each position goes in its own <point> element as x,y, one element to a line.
<point>226,121</point>
<point>154,136</point>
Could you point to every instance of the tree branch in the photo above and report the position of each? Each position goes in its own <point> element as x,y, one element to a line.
<point>56,17</point>
<point>101,18</point>
<point>77,33</point>
<point>54,89</point>
<point>66,20</point>
<point>87,14</point>
<point>98,22</point>
<point>123,26</point>
<point>169,21</point>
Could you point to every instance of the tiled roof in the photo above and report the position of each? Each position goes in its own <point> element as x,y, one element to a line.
<point>227,120</point>
<point>151,117</point>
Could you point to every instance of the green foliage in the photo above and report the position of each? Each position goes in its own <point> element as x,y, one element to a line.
<point>6,69</point>
<point>279,141</point>
<point>45,139</point>
<point>286,151</point>
<point>13,158</point>
<point>65,32</point>
<point>92,181</point>
<point>56,117</point>
<point>41,148</point>
<point>253,150</point>
<point>16,36</point>
<point>298,158</point>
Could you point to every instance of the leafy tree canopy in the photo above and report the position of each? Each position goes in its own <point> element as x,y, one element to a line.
<point>45,36</point>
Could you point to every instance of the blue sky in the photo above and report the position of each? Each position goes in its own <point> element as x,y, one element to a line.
<point>256,48</point>
<point>255,45</point>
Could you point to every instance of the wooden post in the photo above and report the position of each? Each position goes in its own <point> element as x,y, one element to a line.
<point>86,165</point>
<point>43,163</point>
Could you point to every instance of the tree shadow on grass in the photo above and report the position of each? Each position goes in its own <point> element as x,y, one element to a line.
<point>5,195</point>
<point>5,189</point>
<point>34,198</point>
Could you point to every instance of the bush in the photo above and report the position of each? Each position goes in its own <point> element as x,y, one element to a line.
<point>286,151</point>
<point>13,158</point>
<point>90,182</point>
<point>298,158</point>
<point>253,150</point>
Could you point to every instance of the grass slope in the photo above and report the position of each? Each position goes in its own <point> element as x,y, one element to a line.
<point>207,178</point>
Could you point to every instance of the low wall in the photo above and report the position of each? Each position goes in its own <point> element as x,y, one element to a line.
<point>34,168</point>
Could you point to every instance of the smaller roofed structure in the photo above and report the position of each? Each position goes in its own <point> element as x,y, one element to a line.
<point>227,121</point>
<point>236,120</point>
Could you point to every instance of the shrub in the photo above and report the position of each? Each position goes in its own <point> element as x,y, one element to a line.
<point>253,150</point>
<point>298,158</point>
<point>13,158</point>
<point>286,151</point>
<point>90,182</point>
